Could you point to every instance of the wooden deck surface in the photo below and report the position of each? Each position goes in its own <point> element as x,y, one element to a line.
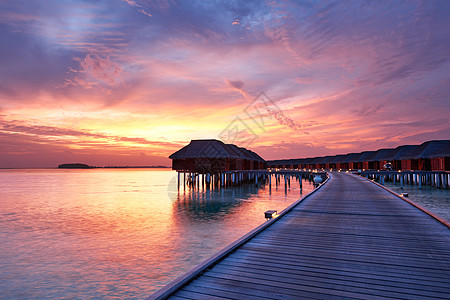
<point>351,239</point>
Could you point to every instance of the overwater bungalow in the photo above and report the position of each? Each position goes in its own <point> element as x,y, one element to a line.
<point>429,156</point>
<point>214,156</point>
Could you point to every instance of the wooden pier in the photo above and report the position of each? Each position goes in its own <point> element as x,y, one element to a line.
<point>349,239</point>
<point>237,177</point>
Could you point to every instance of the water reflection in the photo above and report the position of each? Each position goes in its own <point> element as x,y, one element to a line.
<point>214,203</point>
<point>116,233</point>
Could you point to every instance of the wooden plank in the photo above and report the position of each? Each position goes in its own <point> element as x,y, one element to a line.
<point>325,278</point>
<point>197,295</point>
<point>220,292</point>
<point>298,288</point>
<point>228,292</point>
<point>315,271</point>
<point>397,261</point>
<point>273,292</point>
<point>344,270</point>
<point>321,283</point>
<point>366,266</point>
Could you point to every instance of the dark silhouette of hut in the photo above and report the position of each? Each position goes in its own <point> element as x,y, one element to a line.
<point>214,156</point>
<point>429,156</point>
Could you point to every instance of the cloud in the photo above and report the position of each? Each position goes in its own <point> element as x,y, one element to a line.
<point>139,6</point>
<point>42,133</point>
<point>238,85</point>
<point>95,70</point>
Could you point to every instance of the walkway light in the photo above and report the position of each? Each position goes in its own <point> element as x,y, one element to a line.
<point>270,214</point>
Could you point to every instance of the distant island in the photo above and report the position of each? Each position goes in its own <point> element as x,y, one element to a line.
<point>85,166</point>
<point>134,167</point>
<point>74,166</point>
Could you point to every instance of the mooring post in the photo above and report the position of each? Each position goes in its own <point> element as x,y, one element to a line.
<point>285,184</point>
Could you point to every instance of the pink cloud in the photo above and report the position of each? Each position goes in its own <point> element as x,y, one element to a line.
<point>96,70</point>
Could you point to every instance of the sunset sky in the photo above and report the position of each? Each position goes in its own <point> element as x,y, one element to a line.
<point>128,82</point>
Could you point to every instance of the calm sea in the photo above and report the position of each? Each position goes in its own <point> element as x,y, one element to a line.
<point>116,233</point>
<point>432,199</point>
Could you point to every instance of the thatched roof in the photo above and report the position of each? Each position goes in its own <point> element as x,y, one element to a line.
<point>428,150</point>
<point>339,158</point>
<point>352,157</point>
<point>366,156</point>
<point>214,149</point>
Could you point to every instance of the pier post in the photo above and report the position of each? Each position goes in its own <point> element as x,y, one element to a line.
<point>445,181</point>
<point>198,180</point>
<point>285,183</point>
<point>419,181</point>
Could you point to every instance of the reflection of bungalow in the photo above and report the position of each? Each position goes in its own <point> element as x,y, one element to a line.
<point>213,156</point>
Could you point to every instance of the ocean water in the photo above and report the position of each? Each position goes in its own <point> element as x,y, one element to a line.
<point>116,233</point>
<point>434,200</point>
